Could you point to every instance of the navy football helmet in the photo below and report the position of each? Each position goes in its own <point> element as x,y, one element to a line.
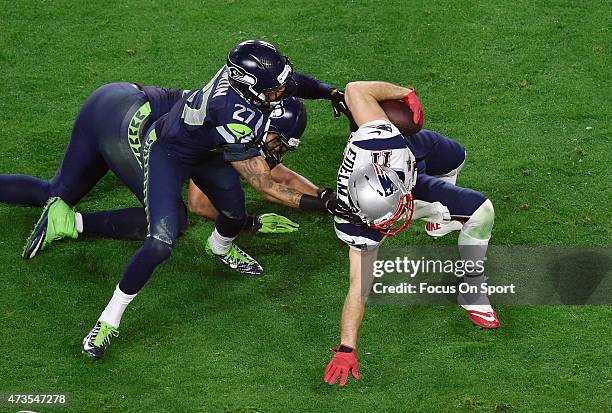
<point>288,121</point>
<point>259,72</point>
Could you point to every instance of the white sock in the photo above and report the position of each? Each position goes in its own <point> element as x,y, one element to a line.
<point>116,306</point>
<point>78,220</point>
<point>220,244</point>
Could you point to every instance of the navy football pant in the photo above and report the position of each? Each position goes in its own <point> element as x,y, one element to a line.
<point>164,178</point>
<point>461,202</point>
<point>104,136</point>
<point>221,183</point>
<point>438,155</point>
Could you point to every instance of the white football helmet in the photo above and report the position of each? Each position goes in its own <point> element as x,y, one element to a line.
<point>381,198</point>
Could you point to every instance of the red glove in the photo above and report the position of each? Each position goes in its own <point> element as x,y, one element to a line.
<point>412,101</point>
<point>340,365</point>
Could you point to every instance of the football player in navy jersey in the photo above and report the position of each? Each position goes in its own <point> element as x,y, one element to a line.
<point>107,136</point>
<point>288,122</point>
<point>212,135</point>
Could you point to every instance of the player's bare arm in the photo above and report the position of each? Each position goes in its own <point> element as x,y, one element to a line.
<point>200,204</point>
<point>257,173</point>
<point>362,99</point>
<point>285,176</point>
<point>360,281</point>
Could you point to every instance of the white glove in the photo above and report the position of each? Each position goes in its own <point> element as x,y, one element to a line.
<point>431,212</point>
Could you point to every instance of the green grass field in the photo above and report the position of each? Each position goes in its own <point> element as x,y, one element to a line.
<point>525,86</point>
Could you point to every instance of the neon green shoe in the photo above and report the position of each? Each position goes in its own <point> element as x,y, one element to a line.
<point>237,260</point>
<point>56,222</point>
<point>98,339</point>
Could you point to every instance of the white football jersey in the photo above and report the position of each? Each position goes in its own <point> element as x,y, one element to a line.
<point>378,142</point>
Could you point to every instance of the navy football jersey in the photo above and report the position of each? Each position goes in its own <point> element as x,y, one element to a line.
<point>162,99</point>
<point>212,120</point>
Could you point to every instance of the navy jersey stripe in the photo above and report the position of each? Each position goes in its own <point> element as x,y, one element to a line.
<point>396,142</point>
<point>359,231</point>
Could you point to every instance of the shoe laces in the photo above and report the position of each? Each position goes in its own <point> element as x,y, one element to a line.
<point>103,335</point>
<point>235,255</point>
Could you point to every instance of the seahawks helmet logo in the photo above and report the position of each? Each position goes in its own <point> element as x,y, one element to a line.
<point>239,75</point>
<point>279,111</point>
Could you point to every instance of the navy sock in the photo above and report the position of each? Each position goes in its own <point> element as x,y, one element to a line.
<point>229,226</point>
<point>24,190</point>
<point>129,223</point>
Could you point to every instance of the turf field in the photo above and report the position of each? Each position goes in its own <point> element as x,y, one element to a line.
<point>525,86</point>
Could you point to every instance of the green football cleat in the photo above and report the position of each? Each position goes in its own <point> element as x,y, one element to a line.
<point>56,222</point>
<point>237,260</point>
<point>276,224</point>
<point>98,339</point>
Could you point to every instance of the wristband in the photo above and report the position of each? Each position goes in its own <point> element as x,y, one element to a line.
<point>311,203</point>
<point>345,349</point>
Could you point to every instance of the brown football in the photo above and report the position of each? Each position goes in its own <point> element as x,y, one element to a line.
<point>401,116</point>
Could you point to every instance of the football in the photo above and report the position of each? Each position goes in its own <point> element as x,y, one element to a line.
<point>401,116</point>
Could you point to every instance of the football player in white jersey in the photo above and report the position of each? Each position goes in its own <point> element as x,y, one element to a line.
<point>378,178</point>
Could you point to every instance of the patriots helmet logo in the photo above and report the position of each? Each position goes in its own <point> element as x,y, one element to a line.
<point>385,181</point>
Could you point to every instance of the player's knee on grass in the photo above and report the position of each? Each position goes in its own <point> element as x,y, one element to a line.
<point>481,222</point>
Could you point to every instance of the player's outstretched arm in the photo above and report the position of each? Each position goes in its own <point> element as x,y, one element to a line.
<point>200,204</point>
<point>257,173</point>
<point>309,87</point>
<point>360,282</point>
<point>292,179</point>
<point>269,223</point>
<point>362,98</point>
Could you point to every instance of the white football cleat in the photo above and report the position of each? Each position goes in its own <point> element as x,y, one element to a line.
<point>437,230</point>
<point>482,315</point>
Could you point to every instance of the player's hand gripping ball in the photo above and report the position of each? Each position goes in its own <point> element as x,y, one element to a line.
<point>405,114</point>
